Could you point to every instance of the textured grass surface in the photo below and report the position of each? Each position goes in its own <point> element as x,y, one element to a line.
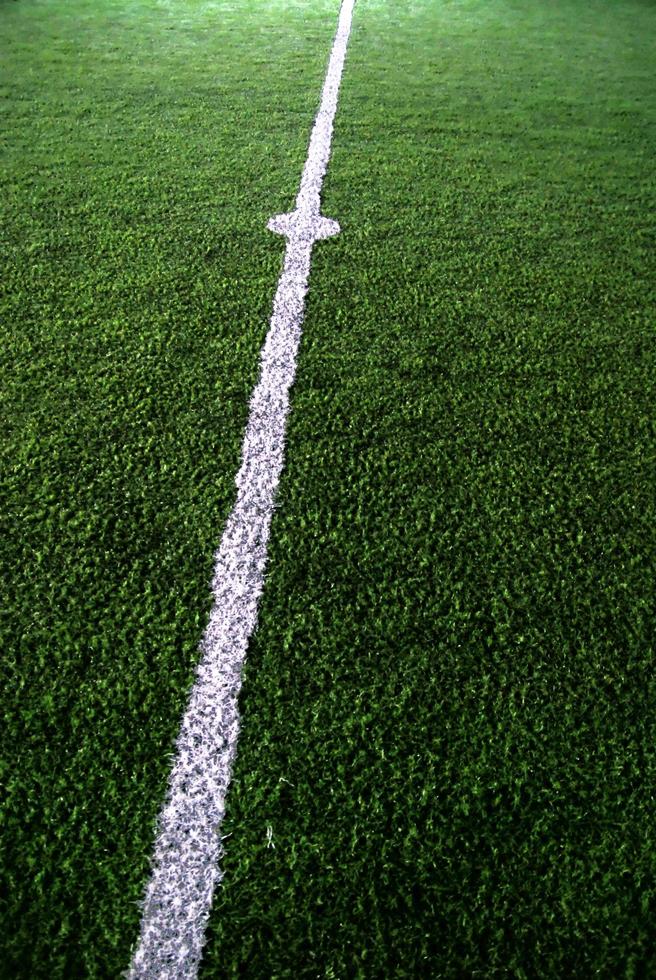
<point>146,151</point>
<point>449,710</point>
<point>449,707</point>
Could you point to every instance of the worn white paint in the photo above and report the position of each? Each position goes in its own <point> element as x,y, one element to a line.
<point>188,848</point>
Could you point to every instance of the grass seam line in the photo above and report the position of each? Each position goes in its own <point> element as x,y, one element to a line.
<point>188,848</point>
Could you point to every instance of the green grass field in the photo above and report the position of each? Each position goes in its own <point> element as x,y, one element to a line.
<point>449,705</point>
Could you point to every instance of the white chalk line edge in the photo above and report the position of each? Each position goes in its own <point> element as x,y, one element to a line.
<point>188,847</point>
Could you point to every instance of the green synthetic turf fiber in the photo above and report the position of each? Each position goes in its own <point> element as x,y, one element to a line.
<point>146,146</point>
<point>449,708</point>
<point>448,750</point>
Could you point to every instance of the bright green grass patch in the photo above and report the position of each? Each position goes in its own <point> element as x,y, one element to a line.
<point>145,147</point>
<point>449,708</point>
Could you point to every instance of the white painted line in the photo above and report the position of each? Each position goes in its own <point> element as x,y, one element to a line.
<point>188,848</point>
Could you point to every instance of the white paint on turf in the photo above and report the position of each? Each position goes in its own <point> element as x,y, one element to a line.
<point>185,865</point>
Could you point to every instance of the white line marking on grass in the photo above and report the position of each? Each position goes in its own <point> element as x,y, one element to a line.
<point>185,865</point>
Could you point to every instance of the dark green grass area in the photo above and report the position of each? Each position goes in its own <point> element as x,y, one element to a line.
<point>145,145</point>
<point>449,707</point>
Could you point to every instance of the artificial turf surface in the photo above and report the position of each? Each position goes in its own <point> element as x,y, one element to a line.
<point>448,750</point>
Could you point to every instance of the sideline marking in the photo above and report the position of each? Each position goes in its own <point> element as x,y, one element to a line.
<point>188,848</point>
